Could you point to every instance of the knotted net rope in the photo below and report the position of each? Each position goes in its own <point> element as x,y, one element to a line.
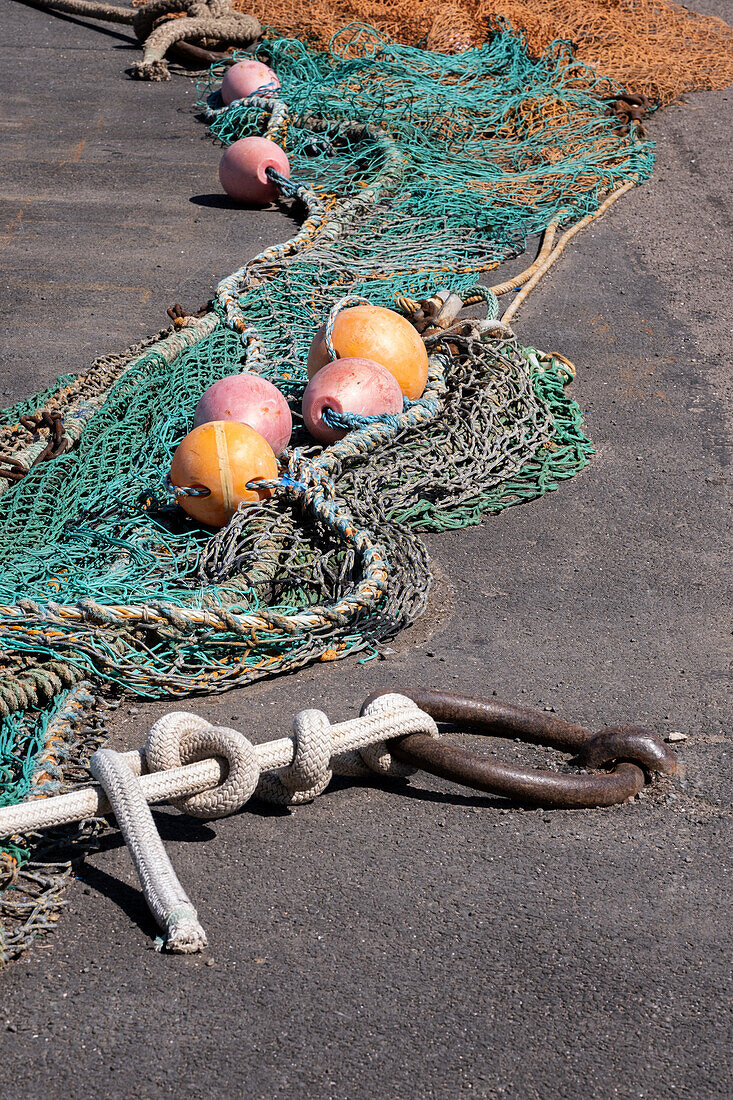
<point>212,771</point>
<point>656,48</point>
<point>424,171</point>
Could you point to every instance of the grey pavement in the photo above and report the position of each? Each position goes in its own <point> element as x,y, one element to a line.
<point>418,941</point>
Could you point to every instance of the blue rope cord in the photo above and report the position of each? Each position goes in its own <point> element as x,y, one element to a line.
<point>350,421</point>
<point>287,187</point>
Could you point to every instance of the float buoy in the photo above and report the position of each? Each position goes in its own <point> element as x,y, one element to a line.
<point>247,77</point>
<point>242,169</point>
<point>372,332</point>
<point>249,399</point>
<point>222,456</point>
<point>349,386</point>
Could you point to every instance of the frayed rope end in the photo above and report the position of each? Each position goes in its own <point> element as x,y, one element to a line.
<point>183,934</point>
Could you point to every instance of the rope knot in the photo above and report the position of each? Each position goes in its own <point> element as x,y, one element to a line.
<point>310,773</point>
<point>402,713</point>
<point>182,738</point>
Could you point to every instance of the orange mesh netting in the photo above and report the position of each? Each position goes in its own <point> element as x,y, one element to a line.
<point>650,46</point>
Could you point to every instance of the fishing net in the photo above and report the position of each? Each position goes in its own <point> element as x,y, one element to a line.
<point>655,47</point>
<point>413,171</point>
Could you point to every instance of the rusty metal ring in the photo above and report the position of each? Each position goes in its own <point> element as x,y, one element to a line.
<point>633,752</point>
<point>197,56</point>
<point>628,743</point>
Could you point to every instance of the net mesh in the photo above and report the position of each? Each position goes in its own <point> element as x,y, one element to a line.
<point>655,47</point>
<point>424,170</point>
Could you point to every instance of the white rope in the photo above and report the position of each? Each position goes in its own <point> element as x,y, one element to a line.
<point>180,781</point>
<point>210,771</point>
<point>164,894</point>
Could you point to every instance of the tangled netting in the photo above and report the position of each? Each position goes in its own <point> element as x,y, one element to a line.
<point>424,171</point>
<point>41,757</point>
<point>655,47</point>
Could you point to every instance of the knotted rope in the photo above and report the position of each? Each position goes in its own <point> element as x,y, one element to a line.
<point>209,23</point>
<point>212,771</point>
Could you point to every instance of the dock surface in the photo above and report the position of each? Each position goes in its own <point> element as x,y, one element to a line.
<point>425,941</point>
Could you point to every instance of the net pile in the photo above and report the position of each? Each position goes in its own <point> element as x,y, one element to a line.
<point>423,171</point>
<point>655,47</point>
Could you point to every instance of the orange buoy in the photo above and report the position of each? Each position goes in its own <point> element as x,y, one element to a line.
<point>372,332</point>
<point>221,456</point>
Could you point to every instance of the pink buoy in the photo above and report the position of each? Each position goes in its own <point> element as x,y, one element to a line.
<point>247,77</point>
<point>248,399</point>
<point>242,169</point>
<point>349,386</point>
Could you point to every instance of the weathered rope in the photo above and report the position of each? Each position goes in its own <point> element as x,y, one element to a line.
<point>528,279</point>
<point>35,686</point>
<point>164,894</point>
<point>187,755</point>
<point>519,280</point>
<point>176,734</point>
<point>50,756</point>
<point>90,9</point>
<point>559,248</point>
<point>209,23</point>
<point>209,29</point>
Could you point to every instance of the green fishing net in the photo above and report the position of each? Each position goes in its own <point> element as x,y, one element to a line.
<point>412,172</point>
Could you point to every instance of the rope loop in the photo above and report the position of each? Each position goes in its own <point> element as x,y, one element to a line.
<point>310,773</point>
<point>183,738</point>
<point>377,756</point>
<point>343,303</point>
<point>485,294</point>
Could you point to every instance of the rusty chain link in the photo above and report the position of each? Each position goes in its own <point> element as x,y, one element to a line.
<point>631,108</point>
<point>179,315</point>
<point>11,469</point>
<point>633,754</point>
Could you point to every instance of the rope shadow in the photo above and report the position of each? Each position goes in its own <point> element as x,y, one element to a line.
<point>175,827</point>
<point>180,828</point>
<point>129,899</point>
<point>73,844</point>
<point>421,794</point>
<point>130,41</point>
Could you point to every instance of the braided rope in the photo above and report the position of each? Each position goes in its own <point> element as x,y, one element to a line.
<point>541,268</point>
<point>181,735</point>
<point>164,894</point>
<point>208,22</point>
<point>34,687</point>
<point>210,771</point>
<point>90,9</point>
<point>209,30</point>
<point>349,421</point>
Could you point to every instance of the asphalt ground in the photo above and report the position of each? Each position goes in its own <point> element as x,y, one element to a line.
<point>417,941</point>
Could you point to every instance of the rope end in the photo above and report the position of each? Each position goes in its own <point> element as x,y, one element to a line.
<point>155,70</point>
<point>183,935</point>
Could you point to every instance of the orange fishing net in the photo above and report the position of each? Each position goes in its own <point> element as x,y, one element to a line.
<point>650,46</point>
